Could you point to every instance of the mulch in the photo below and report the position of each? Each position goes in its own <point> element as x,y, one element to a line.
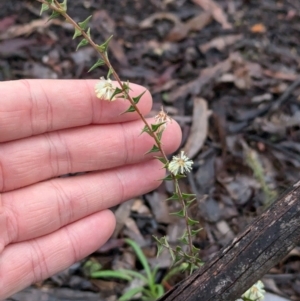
<point>227,71</point>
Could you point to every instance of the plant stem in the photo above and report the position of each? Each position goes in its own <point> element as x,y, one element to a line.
<point>57,7</point>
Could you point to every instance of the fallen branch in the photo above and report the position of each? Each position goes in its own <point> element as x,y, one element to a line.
<point>251,255</point>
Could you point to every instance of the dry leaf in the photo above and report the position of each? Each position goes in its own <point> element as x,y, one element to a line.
<point>199,128</point>
<point>180,30</point>
<point>27,29</point>
<point>148,22</point>
<point>216,11</point>
<point>220,43</point>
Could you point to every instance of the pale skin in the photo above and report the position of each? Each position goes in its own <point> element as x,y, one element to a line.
<point>50,128</point>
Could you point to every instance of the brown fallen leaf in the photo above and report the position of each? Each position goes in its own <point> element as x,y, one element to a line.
<point>27,29</point>
<point>122,214</point>
<point>280,75</point>
<point>220,43</point>
<point>180,30</point>
<point>6,22</point>
<point>199,128</point>
<point>216,11</point>
<point>149,21</point>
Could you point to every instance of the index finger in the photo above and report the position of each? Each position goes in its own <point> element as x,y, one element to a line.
<point>32,107</point>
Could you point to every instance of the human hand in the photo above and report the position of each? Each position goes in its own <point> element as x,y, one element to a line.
<point>51,128</point>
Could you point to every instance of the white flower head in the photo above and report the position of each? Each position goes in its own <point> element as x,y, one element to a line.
<point>255,292</point>
<point>162,116</point>
<point>104,89</point>
<point>180,164</point>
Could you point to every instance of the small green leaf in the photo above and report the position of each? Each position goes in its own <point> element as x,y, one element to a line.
<point>137,98</point>
<point>159,135</point>
<point>191,201</point>
<point>54,15</point>
<point>110,72</point>
<point>168,178</point>
<point>84,24</point>
<point>145,130</point>
<point>129,110</point>
<point>194,232</point>
<point>44,8</point>
<point>154,149</point>
<point>162,160</point>
<point>100,62</point>
<point>116,92</point>
<point>64,5</point>
<point>103,47</point>
<point>160,248</point>
<point>174,197</point>
<point>154,127</point>
<point>179,176</point>
<point>192,222</point>
<point>83,42</point>
<point>88,32</point>
<point>77,33</point>
<point>186,196</point>
<point>172,254</point>
<point>180,213</point>
<point>195,250</point>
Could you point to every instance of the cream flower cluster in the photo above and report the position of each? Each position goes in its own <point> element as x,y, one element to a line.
<point>160,118</point>
<point>255,293</point>
<point>180,164</point>
<point>104,89</point>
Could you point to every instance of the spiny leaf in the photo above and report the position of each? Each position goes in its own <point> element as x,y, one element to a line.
<point>110,72</point>
<point>103,47</point>
<point>179,176</point>
<point>100,62</point>
<point>167,178</point>
<point>191,201</point>
<point>129,110</point>
<point>154,149</point>
<point>162,160</point>
<point>194,232</point>
<point>54,15</point>
<point>84,24</point>
<point>192,222</point>
<point>180,213</point>
<point>64,5</point>
<point>44,8</point>
<point>154,127</point>
<point>137,98</point>
<point>195,250</point>
<point>159,135</point>
<point>77,33</point>
<point>174,197</point>
<point>186,196</point>
<point>145,130</point>
<point>88,32</point>
<point>116,92</point>
<point>83,42</point>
